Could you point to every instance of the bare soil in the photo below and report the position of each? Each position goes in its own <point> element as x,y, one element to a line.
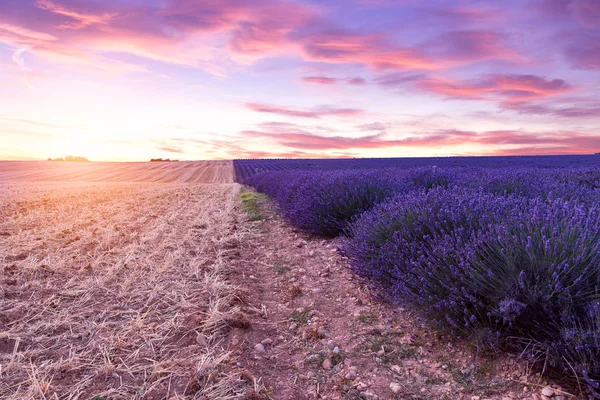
<point>117,291</point>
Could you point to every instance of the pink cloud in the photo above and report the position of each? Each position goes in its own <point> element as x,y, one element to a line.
<point>78,19</point>
<point>269,27</point>
<point>290,154</point>
<point>357,81</point>
<point>541,143</point>
<point>464,14</point>
<point>301,139</point>
<point>321,80</point>
<point>171,149</point>
<point>240,149</point>
<point>491,87</point>
<point>324,80</point>
<point>577,110</point>
<point>315,113</point>
<point>24,36</point>
<point>459,46</point>
<point>373,50</point>
<point>374,126</point>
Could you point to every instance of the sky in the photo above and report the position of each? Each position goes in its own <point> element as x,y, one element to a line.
<point>222,79</point>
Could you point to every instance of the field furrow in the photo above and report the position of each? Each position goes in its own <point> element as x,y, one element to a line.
<point>115,290</point>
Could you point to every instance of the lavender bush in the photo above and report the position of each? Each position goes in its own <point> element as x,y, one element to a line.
<point>324,203</point>
<point>507,271</point>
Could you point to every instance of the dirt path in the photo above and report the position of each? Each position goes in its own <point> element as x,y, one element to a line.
<point>317,333</point>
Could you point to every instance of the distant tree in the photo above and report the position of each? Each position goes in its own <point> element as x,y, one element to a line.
<point>161,160</point>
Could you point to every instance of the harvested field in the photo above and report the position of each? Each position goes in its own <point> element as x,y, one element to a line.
<point>172,172</point>
<point>116,291</point>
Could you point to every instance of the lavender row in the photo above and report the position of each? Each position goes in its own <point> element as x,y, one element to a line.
<point>508,272</point>
<point>323,202</point>
<point>246,168</point>
<point>507,257</point>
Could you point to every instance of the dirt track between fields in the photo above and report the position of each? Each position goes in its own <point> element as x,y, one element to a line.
<point>317,332</point>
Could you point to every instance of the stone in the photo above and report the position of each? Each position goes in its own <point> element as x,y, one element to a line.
<point>267,342</point>
<point>475,397</point>
<point>327,364</point>
<point>548,391</point>
<point>336,350</point>
<point>351,375</point>
<point>395,387</point>
<point>559,397</point>
<point>396,369</point>
<point>259,348</point>
<point>322,332</point>
<point>330,344</point>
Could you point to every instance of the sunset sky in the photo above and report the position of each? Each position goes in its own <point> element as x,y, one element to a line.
<point>221,79</point>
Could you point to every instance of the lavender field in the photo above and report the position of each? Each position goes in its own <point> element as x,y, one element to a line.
<point>503,251</point>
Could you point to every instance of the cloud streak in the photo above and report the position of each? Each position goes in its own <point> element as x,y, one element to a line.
<point>78,20</point>
<point>18,59</point>
<point>318,112</point>
<point>548,142</point>
<point>495,87</point>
